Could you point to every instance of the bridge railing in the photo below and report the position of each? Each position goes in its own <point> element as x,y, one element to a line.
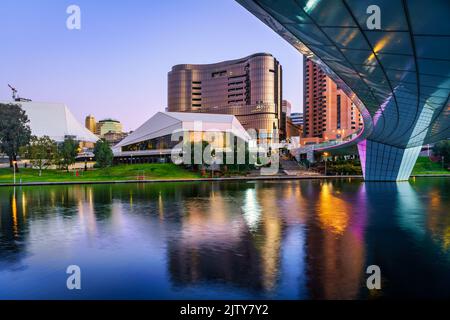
<point>348,140</point>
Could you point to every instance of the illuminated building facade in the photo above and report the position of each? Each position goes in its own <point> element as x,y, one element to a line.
<point>90,123</point>
<point>329,113</point>
<point>249,88</point>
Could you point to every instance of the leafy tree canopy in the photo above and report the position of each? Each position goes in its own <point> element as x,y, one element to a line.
<point>103,154</point>
<point>67,153</point>
<point>41,152</point>
<point>14,130</point>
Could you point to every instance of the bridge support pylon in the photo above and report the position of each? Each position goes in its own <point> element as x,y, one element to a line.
<point>382,162</point>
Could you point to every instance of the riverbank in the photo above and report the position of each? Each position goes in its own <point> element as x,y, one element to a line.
<point>247,178</point>
<point>425,166</point>
<point>147,173</point>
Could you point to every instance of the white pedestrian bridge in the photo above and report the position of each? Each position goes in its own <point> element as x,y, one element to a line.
<point>397,71</point>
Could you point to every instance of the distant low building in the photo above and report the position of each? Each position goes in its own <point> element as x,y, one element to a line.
<point>292,130</point>
<point>297,118</point>
<point>113,138</point>
<point>90,123</point>
<point>108,125</point>
<point>285,115</point>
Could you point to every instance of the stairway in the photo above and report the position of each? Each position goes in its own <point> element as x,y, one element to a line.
<point>293,168</point>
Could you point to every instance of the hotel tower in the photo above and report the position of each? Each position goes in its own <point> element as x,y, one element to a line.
<point>249,88</point>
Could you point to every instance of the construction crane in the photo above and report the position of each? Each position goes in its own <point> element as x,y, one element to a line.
<point>14,92</point>
<point>15,95</point>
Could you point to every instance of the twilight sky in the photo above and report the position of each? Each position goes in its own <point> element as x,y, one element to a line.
<point>116,65</point>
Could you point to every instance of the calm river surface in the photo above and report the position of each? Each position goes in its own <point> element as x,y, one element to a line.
<point>306,239</point>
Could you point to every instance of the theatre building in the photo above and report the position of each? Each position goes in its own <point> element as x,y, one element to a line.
<point>155,139</point>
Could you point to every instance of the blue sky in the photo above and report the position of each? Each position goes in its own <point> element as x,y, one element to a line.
<point>116,65</point>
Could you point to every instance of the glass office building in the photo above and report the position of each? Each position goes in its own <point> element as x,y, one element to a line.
<point>398,75</point>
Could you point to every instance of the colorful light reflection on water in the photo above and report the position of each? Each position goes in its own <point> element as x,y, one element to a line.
<point>308,239</point>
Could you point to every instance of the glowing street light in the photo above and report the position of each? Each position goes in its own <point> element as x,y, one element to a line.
<point>326,154</point>
<point>14,170</point>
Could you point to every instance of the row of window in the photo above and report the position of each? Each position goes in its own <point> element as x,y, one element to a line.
<point>164,142</point>
<point>218,73</point>
<point>235,83</point>
<point>235,89</point>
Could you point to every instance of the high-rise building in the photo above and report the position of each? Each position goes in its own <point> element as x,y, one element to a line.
<point>108,125</point>
<point>285,114</point>
<point>90,123</point>
<point>297,118</point>
<point>329,113</point>
<point>249,88</point>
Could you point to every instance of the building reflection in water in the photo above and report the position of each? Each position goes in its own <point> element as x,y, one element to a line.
<point>236,237</point>
<point>413,263</point>
<point>13,216</point>
<point>438,218</point>
<point>289,239</point>
<point>251,209</point>
<point>216,242</point>
<point>335,241</point>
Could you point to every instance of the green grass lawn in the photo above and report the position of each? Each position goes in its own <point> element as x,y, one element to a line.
<point>149,171</point>
<point>425,166</point>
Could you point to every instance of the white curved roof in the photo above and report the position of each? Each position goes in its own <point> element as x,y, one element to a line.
<point>54,120</point>
<point>165,123</point>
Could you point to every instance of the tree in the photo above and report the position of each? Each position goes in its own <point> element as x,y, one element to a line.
<point>14,131</point>
<point>103,154</point>
<point>442,149</point>
<point>41,152</point>
<point>67,153</point>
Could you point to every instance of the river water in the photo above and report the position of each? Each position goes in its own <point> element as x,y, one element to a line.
<point>299,239</point>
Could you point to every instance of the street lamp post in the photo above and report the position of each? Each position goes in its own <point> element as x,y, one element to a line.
<point>325,154</point>
<point>14,170</point>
